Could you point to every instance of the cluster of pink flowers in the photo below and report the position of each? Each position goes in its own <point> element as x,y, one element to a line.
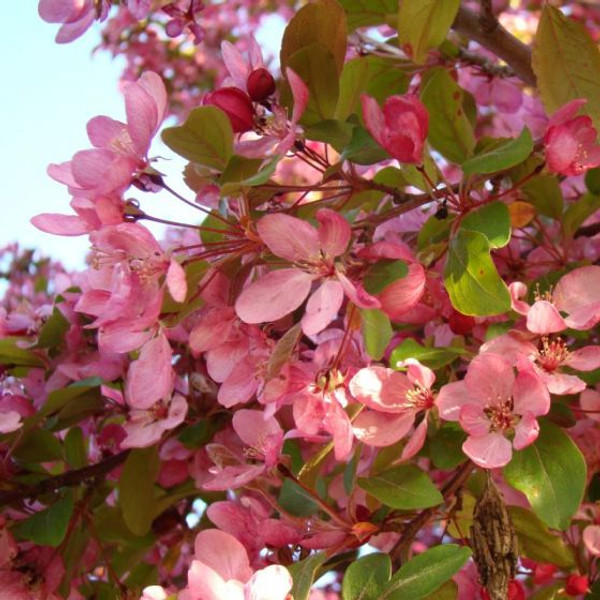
<point>331,354</point>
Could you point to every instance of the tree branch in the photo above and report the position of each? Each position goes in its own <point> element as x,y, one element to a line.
<point>497,39</point>
<point>68,479</point>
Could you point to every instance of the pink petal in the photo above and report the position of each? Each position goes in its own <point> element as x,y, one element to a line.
<point>254,429</point>
<point>289,237</point>
<point>517,291</point>
<point>577,289</point>
<point>59,11</point>
<point>474,420</point>
<point>213,330</point>
<point>560,383</point>
<point>72,30</point>
<point>334,232</point>
<point>273,296</point>
<point>238,67</point>
<point>591,539</point>
<point>530,394</point>
<point>240,385</point>
<point>451,398</point>
<point>419,373</point>
<point>566,112</point>
<point>357,293</point>
<point>150,377</point>
<point>337,423</point>
<point>61,224</point>
<point>490,451</point>
<point>403,295</point>
<point>322,307</point>
<point>526,431</point>
<point>373,118</point>
<point>206,583</point>
<point>490,379</point>
<point>299,92</point>
<point>544,318</point>
<point>381,429</point>
<point>381,389</point>
<point>176,281</point>
<point>590,402</point>
<point>223,553</point>
<point>416,440</point>
<point>271,583</point>
<point>102,131</point>
<point>142,116</point>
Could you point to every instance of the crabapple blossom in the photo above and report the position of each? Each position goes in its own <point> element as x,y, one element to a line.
<point>400,127</point>
<point>570,141</point>
<point>491,404</point>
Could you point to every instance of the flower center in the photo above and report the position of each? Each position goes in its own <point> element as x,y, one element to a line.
<point>552,354</point>
<point>419,398</point>
<point>501,416</point>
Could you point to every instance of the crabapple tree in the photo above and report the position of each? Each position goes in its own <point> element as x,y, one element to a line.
<point>367,366</point>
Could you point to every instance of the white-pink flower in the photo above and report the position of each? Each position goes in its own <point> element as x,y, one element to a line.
<point>577,295</point>
<point>496,409</point>
<point>221,571</point>
<point>313,252</point>
<point>392,400</point>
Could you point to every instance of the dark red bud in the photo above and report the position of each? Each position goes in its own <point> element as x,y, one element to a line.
<point>236,104</point>
<point>260,84</point>
<point>576,585</point>
<point>461,324</point>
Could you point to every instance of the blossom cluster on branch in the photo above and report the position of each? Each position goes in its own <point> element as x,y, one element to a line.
<point>371,353</point>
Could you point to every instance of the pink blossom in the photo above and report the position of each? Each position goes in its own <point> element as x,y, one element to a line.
<point>548,358</point>
<point>239,67</point>
<point>570,141</point>
<point>314,253</point>
<point>591,539</point>
<point>221,571</point>
<point>76,16</point>
<point>392,400</point>
<point>577,294</point>
<point>491,403</point>
<point>400,128</point>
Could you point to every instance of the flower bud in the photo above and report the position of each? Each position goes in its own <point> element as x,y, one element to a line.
<point>576,585</point>
<point>236,104</point>
<point>260,84</point>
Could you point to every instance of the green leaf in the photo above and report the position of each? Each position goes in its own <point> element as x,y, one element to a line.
<point>136,489</point>
<point>450,131</point>
<point>48,527</point>
<point>492,220</point>
<point>545,194</point>
<point>425,573</point>
<point>38,446</point>
<point>434,358</point>
<point>592,180</point>
<point>448,591</point>
<point>13,356</point>
<point>353,82</point>
<point>376,330</point>
<point>295,500</point>
<point>322,22</point>
<point>316,66</point>
<point>471,279</point>
<point>363,13</point>
<point>53,330</point>
<point>566,63</point>
<point>501,155</point>
<point>304,573</point>
<point>551,472</point>
<point>383,273</point>
<point>365,578</point>
<point>404,487</point>
<point>385,78</point>
<point>205,137</point>
<point>445,447</point>
<point>75,449</point>
<point>336,133</point>
<point>537,542</point>
<point>423,24</point>
<point>363,149</point>
<point>434,231</point>
<point>578,212</point>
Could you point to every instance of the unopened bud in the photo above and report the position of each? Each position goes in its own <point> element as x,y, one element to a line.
<point>236,104</point>
<point>260,84</point>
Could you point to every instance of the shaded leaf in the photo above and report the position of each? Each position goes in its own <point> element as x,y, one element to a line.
<point>492,220</point>
<point>205,137</point>
<point>376,330</point>
<point>545,194</point>
<point>362,13</point>
<point>434,358</point>
<point>304,573</point>
<point>551,472</point>
<point>404,487</point>
<point>365,578</point>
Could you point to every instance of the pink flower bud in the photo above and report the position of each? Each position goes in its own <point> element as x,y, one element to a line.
<point>260,84</point>
<point>236,104</point>
<point>400,128</point>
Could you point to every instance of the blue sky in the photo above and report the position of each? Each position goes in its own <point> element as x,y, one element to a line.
<point>50,91</point>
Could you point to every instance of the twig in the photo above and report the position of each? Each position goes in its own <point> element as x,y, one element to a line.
<point>502,43</point>
<point>68,479</point>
